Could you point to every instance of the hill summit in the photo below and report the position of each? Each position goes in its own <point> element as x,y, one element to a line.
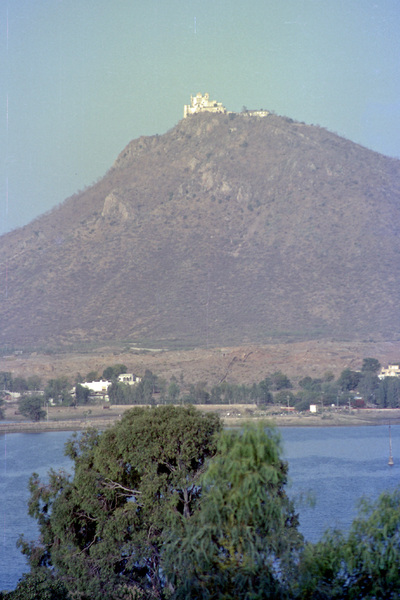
<point>224,230</point>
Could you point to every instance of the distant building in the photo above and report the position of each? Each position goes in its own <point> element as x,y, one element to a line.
<point>129,379</point>
<point>97,387</point>
<point>254,113</point>
<point>11,396</point>
<point>390,371</point>
<point>200,103</point>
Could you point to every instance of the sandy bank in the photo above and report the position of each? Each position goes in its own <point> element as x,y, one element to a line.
<point>80,418</point>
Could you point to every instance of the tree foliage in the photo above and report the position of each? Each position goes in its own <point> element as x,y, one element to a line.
<point>92,376</point>
<point>59,391</point>
<point>112,372</point>
<point>39,585</point>
<point>372,551</point>
<point>82,394</point>
<point>388,394</point>
<point>103,529</point>
<point>370,365</point>
<point>140,393</point>
<point>349,379</point>
<point>243,539</point>
<point>6,380</point>
<point>369,386</point>
<point>280,381</point>
<point>31,407</point>
<point>364,565</point>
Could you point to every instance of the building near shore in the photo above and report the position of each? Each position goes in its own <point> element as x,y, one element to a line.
<point>390,371</point>
<point>97,387</point>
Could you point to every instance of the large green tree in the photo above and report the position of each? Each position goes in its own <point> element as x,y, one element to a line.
<point>368,386</point>
<point>32,407</point>
<point>243,540</point>
<point>59,391</point>
<point>112,372</point>
<point>389,392</point>
<point>262,392</point>
<point>280,381</point>
<point>6,380</point>
<point>371,365</point>
<point>349,380</point>
<point>102,530</point>
<point>82,394</point>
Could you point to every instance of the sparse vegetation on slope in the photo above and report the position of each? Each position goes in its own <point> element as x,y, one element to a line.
<point>222,231</point>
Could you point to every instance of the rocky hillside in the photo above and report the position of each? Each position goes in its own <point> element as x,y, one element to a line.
<point>225,230</point>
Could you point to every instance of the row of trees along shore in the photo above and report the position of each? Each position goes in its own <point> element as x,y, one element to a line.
<point>167,505</point>
<point>359,388</point>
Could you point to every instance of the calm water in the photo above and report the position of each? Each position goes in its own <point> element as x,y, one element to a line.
<point>334,465</point>
<point>21,455</point>
<point>338,465</point>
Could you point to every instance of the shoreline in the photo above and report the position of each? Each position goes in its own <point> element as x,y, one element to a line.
<point>82,418</point>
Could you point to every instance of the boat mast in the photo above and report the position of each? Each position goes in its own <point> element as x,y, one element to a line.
<point>391,461</point>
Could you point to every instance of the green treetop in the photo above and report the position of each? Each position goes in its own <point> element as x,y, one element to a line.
<point>242,542</point>
<point>102,530</point>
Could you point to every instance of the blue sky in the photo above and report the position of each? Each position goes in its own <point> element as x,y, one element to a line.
<point>81,78</point>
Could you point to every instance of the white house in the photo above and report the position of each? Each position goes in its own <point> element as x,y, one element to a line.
<point>390,371</point>
<point>128,378</point>
<point>97,387</point>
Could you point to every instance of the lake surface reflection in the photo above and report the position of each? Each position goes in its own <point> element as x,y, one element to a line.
<point>336,466</point>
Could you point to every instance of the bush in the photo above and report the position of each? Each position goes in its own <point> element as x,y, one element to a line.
<point>31,407</point>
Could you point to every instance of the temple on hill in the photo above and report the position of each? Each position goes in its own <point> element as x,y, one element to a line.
<point>200,103</point>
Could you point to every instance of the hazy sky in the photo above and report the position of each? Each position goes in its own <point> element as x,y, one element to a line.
<point>79,79</point>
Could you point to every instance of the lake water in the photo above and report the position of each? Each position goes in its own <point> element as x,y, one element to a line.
<point>335,465</point>
<point>338,466</point>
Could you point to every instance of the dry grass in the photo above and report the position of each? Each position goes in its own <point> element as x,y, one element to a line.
<point>238,364</point>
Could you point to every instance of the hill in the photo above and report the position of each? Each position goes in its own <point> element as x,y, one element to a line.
<point>225,230</point>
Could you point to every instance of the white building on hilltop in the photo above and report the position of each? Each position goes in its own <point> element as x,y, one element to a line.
<point>200,103</point>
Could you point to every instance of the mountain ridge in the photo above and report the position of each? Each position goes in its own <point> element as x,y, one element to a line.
<point>223,230</point>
